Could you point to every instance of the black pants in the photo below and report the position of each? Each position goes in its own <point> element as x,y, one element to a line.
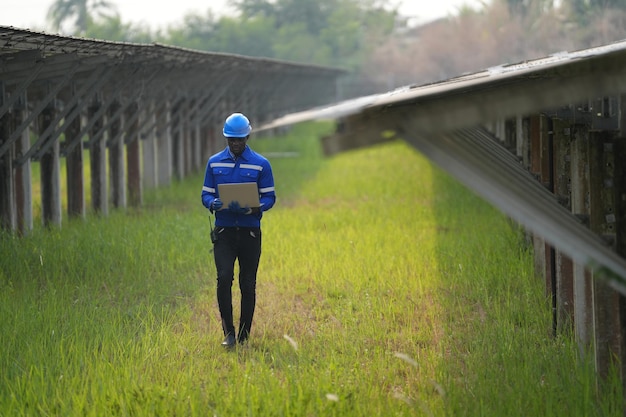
<point>242,244</point>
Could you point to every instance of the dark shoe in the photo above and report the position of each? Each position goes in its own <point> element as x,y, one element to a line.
<point>229,341</point>
<point>242,340</point>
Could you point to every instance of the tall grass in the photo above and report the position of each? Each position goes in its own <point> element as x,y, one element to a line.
<point>385,288</point>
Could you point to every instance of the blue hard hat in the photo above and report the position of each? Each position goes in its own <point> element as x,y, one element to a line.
<point>237,126</point>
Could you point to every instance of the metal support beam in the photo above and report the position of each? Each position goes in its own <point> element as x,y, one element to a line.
<point>148,146</point>
<point>50,175</point>
<point>47,101</point>
<point>21,89</point>
<point>97,151</point>
<point>187,139</point>
<point>8,218</point>
<point>583,282</point>
<point>178,139</point>
<point>196,139</point>
<point>117,168</point>
<point>602,222</point>
<point>72,109</point>
<point>133,156</point>
<point>96,119</point>
<point>509,187</point>
<point>562,190</point>
<point>23,174</point>
<point>540,162</point>
<point>164,146</point>
<point>620,220</point>
<point>75,173</point>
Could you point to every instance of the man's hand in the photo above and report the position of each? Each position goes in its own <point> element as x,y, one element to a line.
<point>216,204</point>
<point>236,208</point>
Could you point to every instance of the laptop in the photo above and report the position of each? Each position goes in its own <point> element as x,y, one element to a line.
<point>246,193</point>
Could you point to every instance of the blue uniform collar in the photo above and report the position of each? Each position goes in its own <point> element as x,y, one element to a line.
<point>244,155</point>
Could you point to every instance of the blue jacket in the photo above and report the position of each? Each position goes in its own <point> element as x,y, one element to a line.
<point>248,167</point>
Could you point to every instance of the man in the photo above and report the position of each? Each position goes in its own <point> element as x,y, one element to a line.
<point>237,233</point>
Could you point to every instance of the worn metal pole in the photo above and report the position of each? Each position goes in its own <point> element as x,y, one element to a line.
<point>50,173</point>
<point>208,133</point>
<point>23,173</point>
<point>196,139</point>
<point>562,187</point>
<point>177,140</point>
<point>116,159</point>
<point>187,137</point>
<point>215,137</point>
<point>133,157</point>
<point>164,145</point>
<point>97,152</point>
<point>580,183</point>
<point>8,205</point>
<point>540,166</point>
<point>602,222</point>
<point>148,147</point>
<point>620,221</point>
<point>519,138</point>
<point>75,172</point>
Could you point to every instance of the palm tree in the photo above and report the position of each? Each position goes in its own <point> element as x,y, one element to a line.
<point>79,13</point>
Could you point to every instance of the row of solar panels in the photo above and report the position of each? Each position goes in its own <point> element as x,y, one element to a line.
<point>42,70</point>
<point>442,120</point>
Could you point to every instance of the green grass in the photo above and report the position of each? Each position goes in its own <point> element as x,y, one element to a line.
<point>385,288</point>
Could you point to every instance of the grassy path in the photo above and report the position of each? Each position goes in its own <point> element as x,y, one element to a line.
<point>385,288</point>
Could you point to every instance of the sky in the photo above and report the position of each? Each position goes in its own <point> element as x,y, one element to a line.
<point>31,14</point>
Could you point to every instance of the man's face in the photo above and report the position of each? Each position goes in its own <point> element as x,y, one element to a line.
<point>237,145</point>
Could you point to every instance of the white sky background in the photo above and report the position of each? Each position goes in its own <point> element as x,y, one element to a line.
<point>31,14</point>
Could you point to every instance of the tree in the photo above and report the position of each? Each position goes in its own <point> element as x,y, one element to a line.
<point>529,9</point>
<point>254,38</point>
<point>586,5</point>
<point>583,11</point>
<point>322,32</point>
<point>78,13</point>
<point>113,29</point>
<point>195,32</point>
<point>295,44</point>
<point>312,13</point>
